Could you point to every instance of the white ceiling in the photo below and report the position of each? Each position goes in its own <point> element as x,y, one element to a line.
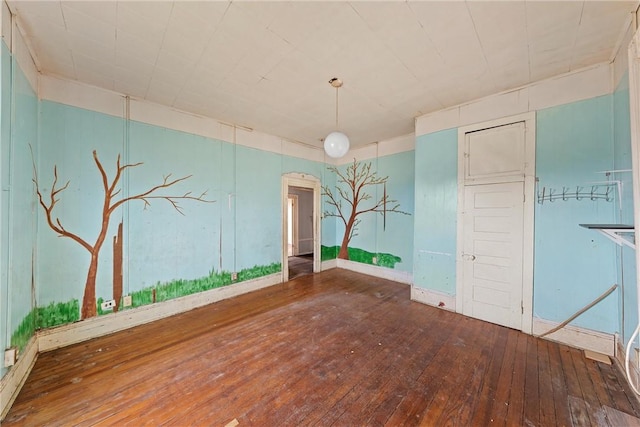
<point>266,65</point>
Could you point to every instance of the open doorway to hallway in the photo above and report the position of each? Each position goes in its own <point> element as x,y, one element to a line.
<point>300,231</point>
<point>300,225</point>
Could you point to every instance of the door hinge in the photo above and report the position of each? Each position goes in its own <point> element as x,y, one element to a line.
<point>521,307</point>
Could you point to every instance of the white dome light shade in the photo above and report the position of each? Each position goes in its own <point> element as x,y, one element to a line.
<point>336,144</point>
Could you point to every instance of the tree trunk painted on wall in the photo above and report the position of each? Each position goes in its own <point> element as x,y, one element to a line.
<point>344,247</point>
<point>88,308</point>
<point>117,268</point>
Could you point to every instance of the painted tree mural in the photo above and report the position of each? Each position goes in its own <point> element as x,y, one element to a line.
<point>358,178</point>
<point>110,204</point>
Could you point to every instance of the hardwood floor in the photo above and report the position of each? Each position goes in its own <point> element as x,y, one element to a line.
<point>335,348</point>
<point>300,266</point>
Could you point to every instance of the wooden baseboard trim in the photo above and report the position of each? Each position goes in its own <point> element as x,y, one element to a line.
<point>433,298</point>
<point>374,270</point>
<point>574,336</point>
<point>13,380</point>
<point>634,371</point>
<point>329,264</point>
<point>620,356</point>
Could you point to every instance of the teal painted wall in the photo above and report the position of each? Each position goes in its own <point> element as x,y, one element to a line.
<point>436,200</point>
<point>163,244</point>
<point>329,225</point>
<point>395,234</point>
<point>259,223</point>
<point>18,116</point>
<point>622,161</point>
<point>573,265</point>
<point>5,150</point>
<point>21,216</point>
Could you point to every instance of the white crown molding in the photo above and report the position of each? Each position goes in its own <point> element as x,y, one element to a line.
<point>383,148</point>
<point>575,86</point>
<point>68,92</point>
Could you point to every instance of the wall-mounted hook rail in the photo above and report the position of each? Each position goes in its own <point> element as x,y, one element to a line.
<point>600,191</point>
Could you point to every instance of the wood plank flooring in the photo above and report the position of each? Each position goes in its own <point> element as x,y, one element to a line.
<point>336,348</point>
<point>300,266</point>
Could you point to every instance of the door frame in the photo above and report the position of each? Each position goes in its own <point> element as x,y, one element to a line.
<point>294,227</point>
<point>295,179</point>
<point>528,220</point>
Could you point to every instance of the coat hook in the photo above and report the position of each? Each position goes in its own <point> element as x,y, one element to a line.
<point>541,199</point>
<point>607,195</point>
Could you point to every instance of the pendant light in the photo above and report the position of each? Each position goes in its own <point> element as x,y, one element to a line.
<point>336,144</point>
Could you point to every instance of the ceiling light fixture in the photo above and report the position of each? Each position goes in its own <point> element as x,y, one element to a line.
<point>336,144</point>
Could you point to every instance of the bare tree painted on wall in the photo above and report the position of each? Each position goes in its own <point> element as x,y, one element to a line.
<point>110,204</point>
<point>358,178</point>
<point>117,267</point>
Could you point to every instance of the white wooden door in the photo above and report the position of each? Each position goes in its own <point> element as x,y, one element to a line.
<point>496,190</point>
<point>493,252</point>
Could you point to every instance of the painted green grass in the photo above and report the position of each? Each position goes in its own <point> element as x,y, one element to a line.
<point>183,287</point>
<point>25,331</point>
<point>329,252</point>
<point>59,313</point>
<point>54,314</point>
<point>360,255</point>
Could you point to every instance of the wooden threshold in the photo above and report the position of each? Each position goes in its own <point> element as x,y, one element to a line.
<point>335,348</point>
